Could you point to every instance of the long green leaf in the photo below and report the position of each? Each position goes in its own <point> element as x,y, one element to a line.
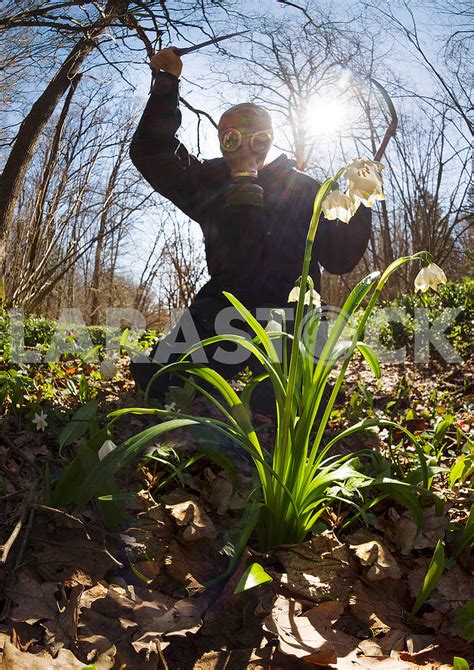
<point>467,537</point>
<point>72,479</point>
<point>433,575</point>
<point>123,454</point>
<point>273,370</point>
<point>403,493</point>
<point>464,620</point>
<point>369,354</point>
<point>78,425</point>
<point>257,328</point>
<point>367,423</point>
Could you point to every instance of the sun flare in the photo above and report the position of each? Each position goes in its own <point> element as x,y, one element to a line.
<point>325,116</point>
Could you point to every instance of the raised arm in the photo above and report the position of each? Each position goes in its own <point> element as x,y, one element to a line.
<point>156,153</point>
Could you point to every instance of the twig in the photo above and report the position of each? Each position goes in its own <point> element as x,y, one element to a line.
<point>13,535</point>
<point>161,655</point>
<point>65,514</point>
<point>5,548</point>
<point>8,598</point>
<point>25,539</point>
<point>198,111</point>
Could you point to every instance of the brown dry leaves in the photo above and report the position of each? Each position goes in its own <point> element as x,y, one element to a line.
<point>361,591</point>
<point>197,524</point>
<point>332,604</point>
<point>71,605</point>
<point>314,637</point>
<point>316,569</point>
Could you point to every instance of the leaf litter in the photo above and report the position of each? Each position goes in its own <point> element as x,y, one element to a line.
<point>148,597</point>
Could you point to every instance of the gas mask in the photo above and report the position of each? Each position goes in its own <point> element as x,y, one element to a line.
<point>245,137</point>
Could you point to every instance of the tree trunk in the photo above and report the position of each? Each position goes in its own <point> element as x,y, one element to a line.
<point>104,218</point>
<point>35,121</point>
<point>38,218</point>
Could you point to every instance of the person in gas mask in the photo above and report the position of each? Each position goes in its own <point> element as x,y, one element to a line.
<point>254,217</point>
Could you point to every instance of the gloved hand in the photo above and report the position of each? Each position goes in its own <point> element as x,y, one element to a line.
<point>167,60</point>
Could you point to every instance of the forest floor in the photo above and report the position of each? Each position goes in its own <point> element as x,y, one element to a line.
<point>77,595</point>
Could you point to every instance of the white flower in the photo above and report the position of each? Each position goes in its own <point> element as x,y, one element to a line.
<point>105,449</point>
<point>430,277</point>
<point>340,206</point>
<point>273,326</point>
<point>365,180</point>
<point>294,294</point>
<point>171,407</point>
<point>311,297</point>
<point>40,421</point>
<point>108,369</point>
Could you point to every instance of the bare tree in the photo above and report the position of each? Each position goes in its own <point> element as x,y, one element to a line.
<point>83,24</point>
<point>70,209</point>
<point>285,66</point>
<point>452,78</point>
<point>35,121</point>
<point>183,266</point>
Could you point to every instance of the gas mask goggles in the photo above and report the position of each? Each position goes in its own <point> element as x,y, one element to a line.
<point>245,137</point>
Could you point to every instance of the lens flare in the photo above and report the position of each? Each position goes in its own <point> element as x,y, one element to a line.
<point>325,116</point>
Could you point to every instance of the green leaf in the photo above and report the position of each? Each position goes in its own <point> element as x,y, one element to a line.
<point>124,338</point>
<point>467,537</point>
<point>254,576</point>
<point>433,575</point>
<point>460,663</point>
<point>119,497</point>
<point>461,470</point>
<point>77,427</point>
<point>464,621</point>
<point>403,494</point>
<point>123,454</point>
<point>369,354</point>
<point>257,328</point>
<point>70,483</point>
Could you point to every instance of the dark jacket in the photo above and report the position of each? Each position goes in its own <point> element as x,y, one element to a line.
<point>256,253</point>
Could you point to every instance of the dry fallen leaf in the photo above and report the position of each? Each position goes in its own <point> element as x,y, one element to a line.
<point>48,604</point>
<point>165,615</point>
<point>191,514</point>
<point>14,659</point>
<point>379,605</point>
<point>375,553</point>
<point>404,533</point>
<point>221,496</point>
<point>309,636</point>
<point>193,564</point>
<point>316,569</point>
<point>97,649</point>
<point>33,601</point>
<point>69,557</point>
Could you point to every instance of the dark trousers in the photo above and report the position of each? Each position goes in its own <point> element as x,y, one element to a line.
<point>196,324</point>
<point>208,314</point>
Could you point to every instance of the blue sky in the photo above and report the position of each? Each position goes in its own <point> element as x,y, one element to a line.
<point>196,66</point>
<point>196,89</point>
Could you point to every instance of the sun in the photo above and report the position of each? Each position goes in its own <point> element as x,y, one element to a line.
<point>325,116</point>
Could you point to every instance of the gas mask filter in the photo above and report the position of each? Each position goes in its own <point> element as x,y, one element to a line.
<point>245,136</point>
